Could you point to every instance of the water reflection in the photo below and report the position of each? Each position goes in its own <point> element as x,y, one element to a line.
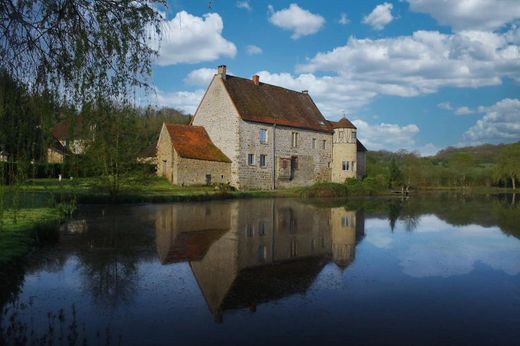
<point>302,267</point>
<point>244,253</point>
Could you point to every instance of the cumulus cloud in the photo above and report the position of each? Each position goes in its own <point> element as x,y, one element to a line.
<point>422,62</point>
<point>469,14</point>
<point>186,101</point>
<point>380,16</point>
<point>245,5</point>
<point>343,19</point>
<point>296,19</point>
<point>387,136</point>
<point>500,124</point>
<point>200,77</point>
<point>253,50</point>
<point>191,39</point>
<point>464,110</point>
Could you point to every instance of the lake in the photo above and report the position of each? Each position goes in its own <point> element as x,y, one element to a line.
<point>431,269</point>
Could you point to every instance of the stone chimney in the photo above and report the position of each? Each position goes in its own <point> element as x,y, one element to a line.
<point>221,71</point>
<point>306,92</point>
<point>256,79</point>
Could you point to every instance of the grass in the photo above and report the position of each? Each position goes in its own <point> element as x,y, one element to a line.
<point>19,230</point>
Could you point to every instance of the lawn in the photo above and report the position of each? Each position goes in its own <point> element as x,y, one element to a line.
<point>19,230</point>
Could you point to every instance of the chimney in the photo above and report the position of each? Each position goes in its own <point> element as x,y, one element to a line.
<point>306,92</point>
<point>256,79</point>
<point>221,71</point>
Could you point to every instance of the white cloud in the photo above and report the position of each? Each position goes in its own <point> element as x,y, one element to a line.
<point>500,124</point>
<point>380,16</point>
<point>200,77</point>
<point>186,101</point>
<point>464,110</point>
<point>245,5</point>
<point>387,136</point>
<point>300,21</point>
<point>423,62</point>
<point>343,19</point>
<point>445,105</point>
<point>191,39</point>
<point>470,14</point>
<point>253,50</point>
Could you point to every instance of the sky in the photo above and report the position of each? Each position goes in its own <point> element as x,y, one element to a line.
<point>418,75</point>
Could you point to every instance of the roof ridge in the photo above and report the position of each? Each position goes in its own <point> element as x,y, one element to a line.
<point>272,85</point>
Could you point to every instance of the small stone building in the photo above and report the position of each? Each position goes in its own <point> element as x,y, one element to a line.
<point>69,137</point>
<point>187,156</point>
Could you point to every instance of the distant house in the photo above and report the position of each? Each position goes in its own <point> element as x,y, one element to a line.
<point>275,137</point>
<point>70,137</point>
<point>187,156</point>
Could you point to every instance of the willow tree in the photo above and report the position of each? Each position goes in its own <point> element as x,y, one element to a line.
<point>78,48</point>
<point>78,51</point>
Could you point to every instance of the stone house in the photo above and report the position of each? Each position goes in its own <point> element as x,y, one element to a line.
<point>187,156</point>
<point>275,137</point>
<point>69,137</point>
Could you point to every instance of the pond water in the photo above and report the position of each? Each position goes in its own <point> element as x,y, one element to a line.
<point>427,270</point>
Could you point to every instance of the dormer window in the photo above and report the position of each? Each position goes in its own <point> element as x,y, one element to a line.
<point>353,136</point>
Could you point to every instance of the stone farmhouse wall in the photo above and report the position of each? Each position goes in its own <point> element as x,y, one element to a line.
<point>165,156</point>
<point>54,156</point>
<point>312,163</point>
<point>220,118</point>
<point>195,172</point>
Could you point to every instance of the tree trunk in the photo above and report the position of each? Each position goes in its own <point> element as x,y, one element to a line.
<point>513,182</point>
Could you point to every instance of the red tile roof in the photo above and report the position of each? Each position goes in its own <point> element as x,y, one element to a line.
<point>193,142</point>
<point>265,103</point>
<point>63,130</point>
<point>343,123</point>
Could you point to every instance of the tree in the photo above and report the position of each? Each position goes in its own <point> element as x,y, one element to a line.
<point>395,176</point>
<point>461,162</point>
<point>116,143</point>
<point>508,164</point>
<point>76,48</point>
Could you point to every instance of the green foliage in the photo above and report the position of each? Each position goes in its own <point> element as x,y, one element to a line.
<point>508,164</point>
<point>79,47</point>
<point>452,168</point>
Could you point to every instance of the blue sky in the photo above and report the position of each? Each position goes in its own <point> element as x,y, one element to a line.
<point>418,75</point>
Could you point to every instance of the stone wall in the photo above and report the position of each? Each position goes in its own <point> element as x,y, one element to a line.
<point>165,155</point>
<point>312,163</point>
<point>220,118</point>
<point>344,149</point>
<point>54,156</point>
<point>194,172</point>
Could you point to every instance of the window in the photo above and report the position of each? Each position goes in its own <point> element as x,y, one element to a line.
<point>353,136</point>
<point>314,143</point>
<point>250,159</point>
<point>323,144</point>
<point>262,136</point>
<point>263,160</point>
<point>345,165</point>
<point>249,230</point>
<point>262,253</point>
<point>261,229</point>
<point>294,142</point>
<point>344,221</point>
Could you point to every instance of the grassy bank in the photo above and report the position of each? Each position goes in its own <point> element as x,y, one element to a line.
<point>21,229</point>
<point>159,190</point>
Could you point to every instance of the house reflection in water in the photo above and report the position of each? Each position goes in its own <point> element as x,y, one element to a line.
<point>246,252</point>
